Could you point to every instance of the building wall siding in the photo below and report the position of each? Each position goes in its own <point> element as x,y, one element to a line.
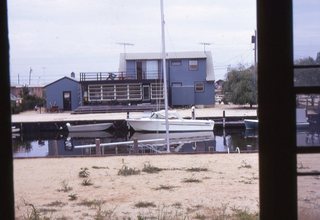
<point>54,93</point>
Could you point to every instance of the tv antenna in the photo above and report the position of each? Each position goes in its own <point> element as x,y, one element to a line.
<point>204,45</point>
<point>125,44</point>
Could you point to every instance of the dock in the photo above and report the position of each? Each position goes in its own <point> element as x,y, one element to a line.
<point>223,115</point>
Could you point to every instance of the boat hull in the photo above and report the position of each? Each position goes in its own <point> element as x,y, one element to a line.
<point>88,127</point>
<point>251,123</point>
<point>159,125</point>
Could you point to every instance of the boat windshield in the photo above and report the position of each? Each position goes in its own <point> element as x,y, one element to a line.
<point>161,115</point>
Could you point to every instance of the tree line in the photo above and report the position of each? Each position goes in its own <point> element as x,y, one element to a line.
<point>240,86</point>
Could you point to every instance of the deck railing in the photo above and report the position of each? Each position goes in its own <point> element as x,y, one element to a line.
<point>100,76</point>
<point>103,76</point>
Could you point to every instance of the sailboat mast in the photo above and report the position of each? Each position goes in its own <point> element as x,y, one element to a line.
<point>164,69</point>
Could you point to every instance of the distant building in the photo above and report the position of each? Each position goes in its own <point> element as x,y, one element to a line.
<point>36,90</point>
<point>63,94</point>
<point>190,78</point>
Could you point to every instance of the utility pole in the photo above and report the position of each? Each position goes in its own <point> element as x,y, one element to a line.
<point>204,45</point>
<point>254,41</point>
<point>30,76</point>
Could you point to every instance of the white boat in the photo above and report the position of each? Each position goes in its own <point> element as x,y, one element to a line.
<point>251,123</point>
<point>301,120</point>
<point>14,129</point>
<point>88,127</point>
<point>156,122</point>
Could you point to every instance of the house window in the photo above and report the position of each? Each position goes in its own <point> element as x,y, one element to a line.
<point>147,69</point>
<point>199,87</point>
<point>176,63</point>
<point>193,64</point>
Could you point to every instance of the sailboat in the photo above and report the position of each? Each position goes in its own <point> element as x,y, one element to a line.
<point>165,121</point>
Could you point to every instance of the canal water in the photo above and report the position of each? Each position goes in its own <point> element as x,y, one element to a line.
<point>56,144</point>
<point>64,144</point>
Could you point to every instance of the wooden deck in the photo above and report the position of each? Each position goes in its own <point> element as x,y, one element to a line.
<point>116,108</point>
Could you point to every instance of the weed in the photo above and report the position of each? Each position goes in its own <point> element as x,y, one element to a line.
<point>65,187</point>
<point>91,203</point>
<point>148,168</point>
<point>191,180</point>
<point>86,182</point>
<point>197,169</point>
<point>244,164</point>
<point>301,166</point>
<point>200,216</point>
<point>144,204</point>
<point>165,187</point>
<point>97,167</point>
<point>177,204</point>
<point>73,196</point>
<point>34,214</point>
<point>101,214</point>
<point>243,214</point>
<point>126,171</point>
<point>84,173</point>
<point>56,203</point>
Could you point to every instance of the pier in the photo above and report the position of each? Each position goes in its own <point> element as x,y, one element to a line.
<point>224,116</point>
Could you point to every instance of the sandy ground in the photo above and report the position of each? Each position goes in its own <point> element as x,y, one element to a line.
<point>218,183</point>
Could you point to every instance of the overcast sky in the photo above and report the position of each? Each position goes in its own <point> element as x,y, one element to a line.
<point>57,37</point>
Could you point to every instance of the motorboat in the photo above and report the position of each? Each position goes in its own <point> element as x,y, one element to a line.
<point>156,123</point>
<point>301,120</point>
<point>14,129</point>
<point>251,123</point>
<point>88,127</point>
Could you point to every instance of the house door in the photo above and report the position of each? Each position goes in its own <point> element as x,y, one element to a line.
<point>146,92</point>
<point>67,101</point>
<point>139,70</point>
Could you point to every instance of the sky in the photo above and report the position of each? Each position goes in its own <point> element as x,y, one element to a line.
<point>52,38</point>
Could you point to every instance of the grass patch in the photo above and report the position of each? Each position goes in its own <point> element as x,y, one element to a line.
<point>97,167</point>
<point>148,168</point>
<point>244,164</point>
<point>84,173</point>
<point>73,196</point>
<point>91,203</point>
<point>103,214</point>
<point>144,205</point>
<point>126,171</point>
<point>243,214</point>
<point>191,180</point>
<point>165,187</point>
<point>300,166</point>
<point>56,203</point>
<point>34,213</point>
<point>197,169</point>
<point>65,187</point>
<point>86,182</point>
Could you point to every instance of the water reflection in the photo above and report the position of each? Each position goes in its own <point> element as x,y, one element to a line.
<point>46,144</point>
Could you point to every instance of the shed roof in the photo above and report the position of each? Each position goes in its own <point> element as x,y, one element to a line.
<point>65,77</point>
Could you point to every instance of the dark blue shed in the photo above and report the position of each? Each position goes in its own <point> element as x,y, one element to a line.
<point>63,94</point>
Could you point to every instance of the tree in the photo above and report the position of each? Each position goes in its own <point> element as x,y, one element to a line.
<point>30,101</point>
<point>240,86</point>
<point>307,76</point>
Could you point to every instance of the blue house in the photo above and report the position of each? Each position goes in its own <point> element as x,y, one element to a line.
<point>190,79</point>
<point>63,94</point>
